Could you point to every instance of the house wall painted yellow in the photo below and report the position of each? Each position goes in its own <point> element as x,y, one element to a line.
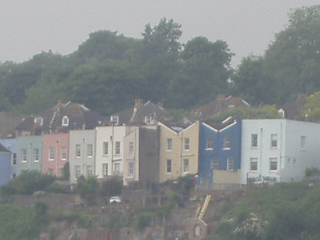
<point>178,151</point>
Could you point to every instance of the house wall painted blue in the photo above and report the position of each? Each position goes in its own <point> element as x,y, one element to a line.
<point>11,145</point>
<point>5,165</point>
<point>219,148</point>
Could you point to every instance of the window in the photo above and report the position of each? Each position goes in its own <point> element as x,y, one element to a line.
<point>38,121</point>
<point>89,170</point>
<point>186,144</point>
<point>214,163</point>
<point>117,147</point>
<point>274,141</point>
<point>131,168</point>
<point>185,165</point>
<point>77,171</point>
<point>23,155</point>
<point>168,167</point>
<point>89,150</point>
<point>169,144</point>
<point>230,164</point>
<point>197,231</point>
<point>105,149</point>
<point>130,147</point>
<point>116,168</point>
<point>254,140</point>
<point>63,153</point>
<point>78,150</point>
<point>51,153</point>
<point>114,120</point>
<point>50,171</point>
<point>149,120</point>
<point>253,164</point>
<point>226,142</point>
<point>273,164</point>
<point>36,155</point>
<point>303,142</point>
<point>210,142</point>
<point>105,169</point>
<point>65,121</point>
<point>14,159</point>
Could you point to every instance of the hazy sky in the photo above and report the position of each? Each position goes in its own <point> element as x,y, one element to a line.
<point>29,27</point>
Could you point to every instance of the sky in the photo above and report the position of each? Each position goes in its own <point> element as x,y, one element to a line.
<point>29,27</point>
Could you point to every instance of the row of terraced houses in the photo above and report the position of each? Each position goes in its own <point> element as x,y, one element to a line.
<point>145,145</point>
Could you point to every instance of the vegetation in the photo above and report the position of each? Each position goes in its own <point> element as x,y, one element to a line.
<point>284,211</point>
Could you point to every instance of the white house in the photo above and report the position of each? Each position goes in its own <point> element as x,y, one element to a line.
<point>81,154</point>
<point>109,150</point>
<point>278,149</point>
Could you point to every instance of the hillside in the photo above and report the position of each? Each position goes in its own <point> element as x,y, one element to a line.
<point>284,211</point>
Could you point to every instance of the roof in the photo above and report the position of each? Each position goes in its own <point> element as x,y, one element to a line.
<point>3,148</point>
<point>219,105</point>
<point>50,120</point>
<point>143,113</point>
<point>8,123</point>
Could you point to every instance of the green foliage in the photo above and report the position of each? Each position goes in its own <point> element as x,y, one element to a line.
<point>111,187</point>
<point>88,188</point>
<point>284,211</point>
<point>266,112</point>
<point>312,108</point>
<point>27,183</point>
<point>18,222</point>
<point>66,172</point>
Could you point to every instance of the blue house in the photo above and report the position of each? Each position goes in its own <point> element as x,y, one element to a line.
<point>11,145</point>
<point>219,149</point>
<point>5,165</point>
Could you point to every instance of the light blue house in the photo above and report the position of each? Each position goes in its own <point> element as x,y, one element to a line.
<point>29,153</point>
<point>219,149</point>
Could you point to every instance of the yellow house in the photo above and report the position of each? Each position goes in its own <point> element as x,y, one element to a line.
<point>178,151</point>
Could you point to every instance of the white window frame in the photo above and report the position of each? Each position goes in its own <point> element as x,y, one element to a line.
<point>77,171</point>
<point>117,147</point>
<point>65,121</point>
<point>64,153</point>
<point>254,140</point>
<point>169,146</point>
<point>230,164</point>
<point>105,169</point>
<point>215,163</point>
<point>89,170</point>
<point>105,148</point>
<point>169,166</point>
<point>131,168</point>
<point>210,142</point>
<point>186,144</point>
<point>89,150</point>
<point>78,151</point>
<point>186,165</point>
<point>227,142</point>
<point>274,141</point>
<point>114,119</point>
<point>51,154</point>
<point>131,147</point>
<point>254,164</point>
<point>36,154</point>
<point>116,168</point>
<point>24,155</point>
<point>273,161</point>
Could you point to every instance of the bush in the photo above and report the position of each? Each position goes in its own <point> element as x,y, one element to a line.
<point>111,187</point>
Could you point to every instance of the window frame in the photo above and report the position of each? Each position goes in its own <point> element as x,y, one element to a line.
<point>186,165</point>
<point>230,164</point>
<point>254,160</point>
<point>169,144</point>
<point>78,150</point>
<point>117,147</point>
<point>89,150</point>
<point>51,154</point>
<point>168,166</point>
<point>274,140</point>
<point>254,140</point>
<point>186,144</point>
<point>227,142</point>
<point>273,160</point>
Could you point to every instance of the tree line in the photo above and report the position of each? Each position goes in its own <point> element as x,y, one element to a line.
<point>108,71</point>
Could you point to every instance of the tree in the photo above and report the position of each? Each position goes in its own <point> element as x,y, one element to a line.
<point>111,187</point>
<point>87,188</point>
<point>312,108</point>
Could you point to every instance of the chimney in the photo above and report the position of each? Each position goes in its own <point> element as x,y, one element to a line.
<point>137,104</point>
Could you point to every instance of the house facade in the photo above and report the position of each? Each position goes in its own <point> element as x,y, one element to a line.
<point>5,165</point>
<point>11,145</point>
<point>278,150</point>
<point>141,151</point>
<point>29,153</point>
<point>82,154</point>
<point>109,150</point>
<point>178,152</point>
<point>55,153</point>
<point>219,151</point>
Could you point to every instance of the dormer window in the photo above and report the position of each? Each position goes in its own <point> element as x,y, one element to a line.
<point>65,121</point>
<point>149,120</point>
<point>38,121</point>
<point>114,120</point>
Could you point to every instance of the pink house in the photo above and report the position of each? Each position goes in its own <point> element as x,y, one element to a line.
<point>55,153</point>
